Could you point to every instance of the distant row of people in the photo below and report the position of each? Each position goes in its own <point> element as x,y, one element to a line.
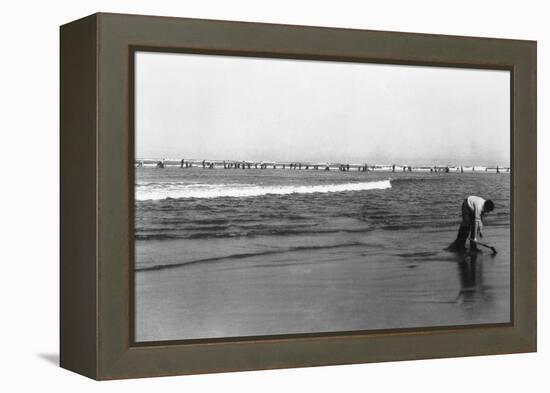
<point>299,166</point>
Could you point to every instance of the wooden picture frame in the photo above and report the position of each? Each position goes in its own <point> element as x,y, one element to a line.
<point>97,195</point>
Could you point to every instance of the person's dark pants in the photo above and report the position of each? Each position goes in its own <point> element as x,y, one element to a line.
<point>467,228</point>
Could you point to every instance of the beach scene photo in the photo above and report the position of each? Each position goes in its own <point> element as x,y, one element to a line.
<point>283,197</point>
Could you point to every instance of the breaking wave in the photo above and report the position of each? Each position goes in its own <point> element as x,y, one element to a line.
<point>175,190</point>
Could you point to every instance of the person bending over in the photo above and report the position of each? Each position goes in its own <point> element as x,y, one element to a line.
<point>474,209</point>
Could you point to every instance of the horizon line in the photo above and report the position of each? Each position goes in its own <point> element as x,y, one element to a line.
<point>173,161</point>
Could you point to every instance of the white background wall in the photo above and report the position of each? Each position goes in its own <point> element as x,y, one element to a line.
<point>29,193</point>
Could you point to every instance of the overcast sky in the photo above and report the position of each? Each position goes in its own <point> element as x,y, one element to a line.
<point>224,107</point>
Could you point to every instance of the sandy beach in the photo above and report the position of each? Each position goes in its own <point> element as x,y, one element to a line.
<point>363,284</point>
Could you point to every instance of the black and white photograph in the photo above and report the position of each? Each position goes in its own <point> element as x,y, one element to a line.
<point>289,196</point>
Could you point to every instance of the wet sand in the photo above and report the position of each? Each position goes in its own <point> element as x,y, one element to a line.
<point>379,280</point>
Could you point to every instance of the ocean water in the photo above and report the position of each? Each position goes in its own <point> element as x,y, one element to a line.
<point>229,253</point>
<point>276,208</point>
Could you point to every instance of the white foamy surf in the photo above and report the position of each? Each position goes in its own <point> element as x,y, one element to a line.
<point>159,191</point>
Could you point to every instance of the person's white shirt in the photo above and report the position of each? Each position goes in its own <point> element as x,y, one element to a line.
<point>475,204</point>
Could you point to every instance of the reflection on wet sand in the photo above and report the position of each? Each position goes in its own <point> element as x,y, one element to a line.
<point>472,287</point>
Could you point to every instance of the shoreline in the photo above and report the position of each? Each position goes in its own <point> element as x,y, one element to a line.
<point>383,279</point>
